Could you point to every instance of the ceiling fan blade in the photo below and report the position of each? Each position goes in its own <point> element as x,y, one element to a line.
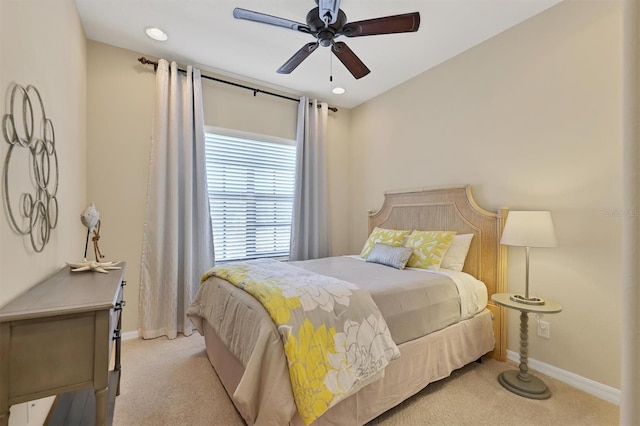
<point>250,15</point>
<point>405,23</point>
<point>297,58</point>
<point>355,66</point>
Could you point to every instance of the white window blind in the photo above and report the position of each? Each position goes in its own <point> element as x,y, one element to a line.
<point>251,184</point>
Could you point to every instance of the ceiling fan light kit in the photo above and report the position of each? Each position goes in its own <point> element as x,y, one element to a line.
<point>328,22</point>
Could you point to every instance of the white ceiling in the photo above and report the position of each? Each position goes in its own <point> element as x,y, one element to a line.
<point>204,33</point>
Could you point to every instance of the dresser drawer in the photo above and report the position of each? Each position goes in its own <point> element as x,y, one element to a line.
<point>53,353</point>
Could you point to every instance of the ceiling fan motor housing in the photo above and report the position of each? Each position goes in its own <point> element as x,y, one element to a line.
<point>325,33</point>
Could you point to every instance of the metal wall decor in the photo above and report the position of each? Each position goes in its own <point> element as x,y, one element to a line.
<point>27,127</point>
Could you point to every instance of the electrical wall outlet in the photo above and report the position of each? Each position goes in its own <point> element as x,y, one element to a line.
<point>544,329</point>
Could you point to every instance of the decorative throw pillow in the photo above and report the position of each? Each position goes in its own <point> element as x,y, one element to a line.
<point>429,248</point>
<point>396,257</point>
<point>391,237</point>
<point>457,253</point>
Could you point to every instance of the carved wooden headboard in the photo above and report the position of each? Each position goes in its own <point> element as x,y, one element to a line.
<point>454,209</point>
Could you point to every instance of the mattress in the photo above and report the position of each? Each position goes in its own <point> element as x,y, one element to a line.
<point>413,302</point>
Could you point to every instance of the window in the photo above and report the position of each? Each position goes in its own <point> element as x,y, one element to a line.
<point>251,183</point>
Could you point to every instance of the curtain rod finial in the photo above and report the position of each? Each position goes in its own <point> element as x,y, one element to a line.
<point>145,61</point>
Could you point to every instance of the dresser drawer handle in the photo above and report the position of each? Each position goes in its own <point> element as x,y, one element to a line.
<point>117,334</point>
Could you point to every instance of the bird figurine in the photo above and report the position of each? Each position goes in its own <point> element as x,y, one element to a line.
<point>90,217</point>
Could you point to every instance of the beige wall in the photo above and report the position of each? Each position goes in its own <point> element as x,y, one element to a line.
<point>120,108</point>
<point>531,119</point>
<point>42,43</point>
<point>49,53</point>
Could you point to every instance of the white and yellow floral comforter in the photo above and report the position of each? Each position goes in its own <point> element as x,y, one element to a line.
<point>334,336</point>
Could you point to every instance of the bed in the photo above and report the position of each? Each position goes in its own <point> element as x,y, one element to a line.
<point>245,349</point>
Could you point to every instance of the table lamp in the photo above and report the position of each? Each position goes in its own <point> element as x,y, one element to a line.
<point>528,229</point>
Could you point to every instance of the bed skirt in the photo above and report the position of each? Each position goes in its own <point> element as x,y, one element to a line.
<point>422,361</point>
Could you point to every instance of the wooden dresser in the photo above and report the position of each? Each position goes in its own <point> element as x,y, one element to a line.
<point>57,338</point>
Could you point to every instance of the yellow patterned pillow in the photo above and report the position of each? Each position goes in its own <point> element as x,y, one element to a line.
<point>390,237</point>
<point>429,248</point>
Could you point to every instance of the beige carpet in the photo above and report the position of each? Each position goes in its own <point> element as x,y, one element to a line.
<point>170,382</point>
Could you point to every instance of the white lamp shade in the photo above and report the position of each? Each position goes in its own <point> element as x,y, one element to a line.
<point>529,229</point>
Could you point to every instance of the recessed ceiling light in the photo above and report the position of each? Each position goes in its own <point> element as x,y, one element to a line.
<point>338,90</point>
<point>156,33</point>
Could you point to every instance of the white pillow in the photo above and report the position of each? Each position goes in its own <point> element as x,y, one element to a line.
<point>457,252</point>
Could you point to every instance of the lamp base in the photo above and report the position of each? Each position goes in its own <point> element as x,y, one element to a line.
<point>526,300</point>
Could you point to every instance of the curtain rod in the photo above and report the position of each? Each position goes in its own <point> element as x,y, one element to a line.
<point>145,61</point>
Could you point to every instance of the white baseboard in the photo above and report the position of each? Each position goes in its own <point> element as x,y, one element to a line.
<point>130,335</point>
<point>589,386</point>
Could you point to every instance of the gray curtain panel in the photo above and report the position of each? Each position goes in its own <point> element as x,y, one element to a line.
<point>309,224</point>
<point>177,242</point>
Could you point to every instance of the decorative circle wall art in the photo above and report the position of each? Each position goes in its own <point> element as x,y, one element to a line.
<point>30,176</point>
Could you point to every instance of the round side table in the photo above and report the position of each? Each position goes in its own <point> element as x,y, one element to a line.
<point>521,382</point>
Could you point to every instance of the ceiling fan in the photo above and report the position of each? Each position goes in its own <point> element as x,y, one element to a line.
<point>328,22</point>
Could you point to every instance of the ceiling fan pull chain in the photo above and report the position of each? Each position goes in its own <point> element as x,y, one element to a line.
<point>330,68</point>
